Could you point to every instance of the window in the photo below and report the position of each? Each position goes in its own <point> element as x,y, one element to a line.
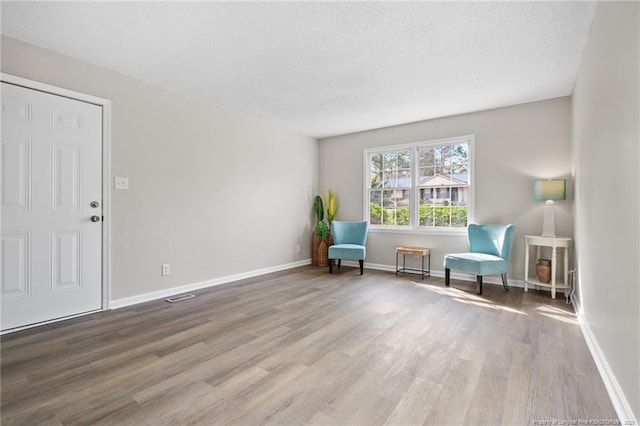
<point>424,185</point>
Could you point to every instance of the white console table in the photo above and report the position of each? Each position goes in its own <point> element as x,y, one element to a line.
<point>554,243</point>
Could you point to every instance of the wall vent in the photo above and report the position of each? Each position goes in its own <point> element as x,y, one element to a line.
<point>180,298</point>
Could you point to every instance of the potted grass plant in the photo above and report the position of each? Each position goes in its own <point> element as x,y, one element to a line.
<point>322,238</point>
<point>322,231</point>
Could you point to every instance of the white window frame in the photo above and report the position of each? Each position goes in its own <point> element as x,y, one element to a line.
<point>413,226</point>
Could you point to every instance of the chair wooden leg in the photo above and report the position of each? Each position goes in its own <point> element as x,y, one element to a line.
<point>479,283</point>
<point>339,263</point>
<point>504,282</point>
<point>447,276</point>
<point>331,266</point>
<point>361,266</point>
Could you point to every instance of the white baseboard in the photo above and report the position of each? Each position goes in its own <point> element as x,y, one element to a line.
<point>161,294</point>
<point>618,399</point>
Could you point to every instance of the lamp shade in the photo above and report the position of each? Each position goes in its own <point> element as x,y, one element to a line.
<point>550,189</point>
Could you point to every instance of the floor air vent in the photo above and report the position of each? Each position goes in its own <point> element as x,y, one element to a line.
<point>180,298</point>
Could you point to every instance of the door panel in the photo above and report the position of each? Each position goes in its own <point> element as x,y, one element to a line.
<point>16,175</point>
<point>65,172</point>
<point>66,257</point>
<point>14,255</point>
<point>51,251</point>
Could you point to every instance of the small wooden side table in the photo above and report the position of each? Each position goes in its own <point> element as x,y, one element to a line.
<point>554,243</point>
<point>414,251</point>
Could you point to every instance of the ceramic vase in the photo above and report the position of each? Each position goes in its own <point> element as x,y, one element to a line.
<point>543,270</point>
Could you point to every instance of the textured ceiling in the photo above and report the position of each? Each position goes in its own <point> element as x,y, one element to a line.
<point>324,68</point>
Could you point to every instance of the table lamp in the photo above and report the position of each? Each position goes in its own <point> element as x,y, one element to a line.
<point>549,190</point>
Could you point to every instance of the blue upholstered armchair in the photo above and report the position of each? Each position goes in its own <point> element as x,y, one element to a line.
<point>349,240</point>
<point>490,248</point>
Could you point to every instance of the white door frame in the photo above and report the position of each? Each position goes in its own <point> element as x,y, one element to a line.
<point>106,174</point>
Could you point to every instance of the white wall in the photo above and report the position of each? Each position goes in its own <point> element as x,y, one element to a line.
<point>213,192</point>
<point>607,158</point>
<point>513,147</point>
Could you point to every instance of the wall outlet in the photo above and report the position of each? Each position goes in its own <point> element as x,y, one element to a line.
<point>166,270</point>
<point>121,183</point>
<point>298,248</point>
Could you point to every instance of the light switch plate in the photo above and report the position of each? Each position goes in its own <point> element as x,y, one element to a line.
<point>121,183</point>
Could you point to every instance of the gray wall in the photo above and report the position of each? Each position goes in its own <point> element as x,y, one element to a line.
<point>513,147</point>
<point>606,154</point>
<point>213,192</point>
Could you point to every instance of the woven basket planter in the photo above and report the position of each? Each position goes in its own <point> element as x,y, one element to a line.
<point>323,254</point>
<point>315,243</point>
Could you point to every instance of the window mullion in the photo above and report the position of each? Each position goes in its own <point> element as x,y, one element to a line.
<point>413,204</point>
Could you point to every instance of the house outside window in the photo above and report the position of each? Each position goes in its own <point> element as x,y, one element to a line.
<point>423,186</point>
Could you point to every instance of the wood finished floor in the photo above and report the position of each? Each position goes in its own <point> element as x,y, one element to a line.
<point>306,347</point>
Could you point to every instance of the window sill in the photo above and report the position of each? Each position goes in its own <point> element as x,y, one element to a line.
<point>459,232</point>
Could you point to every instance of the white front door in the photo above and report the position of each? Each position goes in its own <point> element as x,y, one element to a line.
<point>51,180</point>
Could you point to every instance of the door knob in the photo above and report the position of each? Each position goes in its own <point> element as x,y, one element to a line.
<point>95,204</point>
<point>95,218</point>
